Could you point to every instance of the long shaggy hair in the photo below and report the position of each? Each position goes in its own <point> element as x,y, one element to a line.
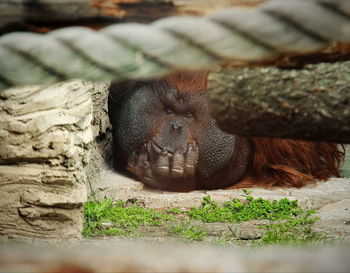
<point>291,163</point>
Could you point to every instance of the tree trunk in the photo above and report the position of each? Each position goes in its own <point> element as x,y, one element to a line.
<point>45,136</point>
<point>311,103</point>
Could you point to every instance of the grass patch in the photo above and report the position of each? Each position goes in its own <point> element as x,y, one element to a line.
<point>175,210</point>
<point>288,222</point>
<point>252,209</point>
<point>108,218</point>
<point>189,231</point>
<point>297,231</point>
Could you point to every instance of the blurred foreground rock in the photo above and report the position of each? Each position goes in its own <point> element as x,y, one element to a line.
<point>139,257</point>
<point>45,135</point>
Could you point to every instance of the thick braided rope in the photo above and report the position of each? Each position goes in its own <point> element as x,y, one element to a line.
<point>146,51</point>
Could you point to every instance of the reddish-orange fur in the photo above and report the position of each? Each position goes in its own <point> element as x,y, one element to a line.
<point>188,81</point>
<point>291,163</point>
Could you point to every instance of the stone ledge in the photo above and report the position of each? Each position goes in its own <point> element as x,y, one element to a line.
<point>118,187</point>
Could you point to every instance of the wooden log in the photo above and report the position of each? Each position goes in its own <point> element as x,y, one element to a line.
<point>311,103</point>
<point>148,10</point>
<point>45,135</point>
<point>23,11</point>
<point>98,13</point>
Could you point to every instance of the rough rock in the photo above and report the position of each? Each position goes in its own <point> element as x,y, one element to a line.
<point>101,155</point>
<point>45,136</point>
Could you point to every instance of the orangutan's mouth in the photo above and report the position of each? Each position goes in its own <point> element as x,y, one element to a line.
<point>155,165</point>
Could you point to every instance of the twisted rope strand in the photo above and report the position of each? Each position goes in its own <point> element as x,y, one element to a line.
<point>141,51</point>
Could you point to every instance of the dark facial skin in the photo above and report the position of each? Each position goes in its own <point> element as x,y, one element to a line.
<point>166,139</point>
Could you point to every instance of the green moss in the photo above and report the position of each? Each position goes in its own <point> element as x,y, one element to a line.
<point>189,231</point>
<point>297,231</point>
<point>108,218</point>
<point>252,209</point>
<point>175,210</point>
<point>289,223</point>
